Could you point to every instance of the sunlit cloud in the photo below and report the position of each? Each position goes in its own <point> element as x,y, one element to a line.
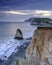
<point>47,14</point>
<point>15,12</point>
<point>43,13</point>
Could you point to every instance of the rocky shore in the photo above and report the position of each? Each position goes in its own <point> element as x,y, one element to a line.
<point>19,54</point>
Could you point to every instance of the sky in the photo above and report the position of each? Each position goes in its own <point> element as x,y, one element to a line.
<point>20,10</point>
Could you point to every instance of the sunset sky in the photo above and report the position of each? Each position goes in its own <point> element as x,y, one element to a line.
<point>19,10</point>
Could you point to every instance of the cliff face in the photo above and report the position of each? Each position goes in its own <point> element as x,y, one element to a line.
<point>39,51</point>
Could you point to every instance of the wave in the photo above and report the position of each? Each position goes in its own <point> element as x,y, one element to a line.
<point>9,46</point>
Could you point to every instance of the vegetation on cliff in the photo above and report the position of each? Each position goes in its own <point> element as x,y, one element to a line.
<point>39,20</point>
<point>46,20</point>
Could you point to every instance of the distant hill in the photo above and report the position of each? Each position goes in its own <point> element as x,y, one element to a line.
<point>42,20</point>
<point>29,20</point>
<point>39,20</point>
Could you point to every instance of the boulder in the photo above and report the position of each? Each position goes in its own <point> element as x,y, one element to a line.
<point>39,51</point>
<point>18,35</point>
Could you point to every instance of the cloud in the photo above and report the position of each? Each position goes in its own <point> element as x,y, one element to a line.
<point>26,4</point>
<point>21,15</point>
<point>14,12</point>
<point>43,13</point>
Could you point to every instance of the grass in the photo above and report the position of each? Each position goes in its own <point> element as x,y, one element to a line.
<point>46,27</point>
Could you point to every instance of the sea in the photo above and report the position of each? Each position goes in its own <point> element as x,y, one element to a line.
<point>8,45</point>
<point>8,29</point>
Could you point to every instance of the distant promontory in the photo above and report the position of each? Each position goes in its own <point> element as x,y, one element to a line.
<point>37,21</point>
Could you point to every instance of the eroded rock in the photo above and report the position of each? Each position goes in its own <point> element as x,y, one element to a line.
<point>18,35</point>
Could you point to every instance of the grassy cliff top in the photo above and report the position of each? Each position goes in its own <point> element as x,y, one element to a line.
<point>42,19</point>
<point>44,27</point>
<point>46,20</point>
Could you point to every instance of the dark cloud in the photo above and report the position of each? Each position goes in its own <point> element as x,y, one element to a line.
<point>15,5</point>
<point>25,4</point>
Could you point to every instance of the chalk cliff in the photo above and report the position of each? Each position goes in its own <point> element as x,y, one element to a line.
<point>39,51</point>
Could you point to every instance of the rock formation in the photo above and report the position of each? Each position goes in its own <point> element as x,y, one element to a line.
<point>39,51</point>
<point>18,35</point>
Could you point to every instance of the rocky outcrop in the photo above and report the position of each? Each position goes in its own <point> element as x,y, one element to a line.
<point>18,35</point>
<point>39,51</point>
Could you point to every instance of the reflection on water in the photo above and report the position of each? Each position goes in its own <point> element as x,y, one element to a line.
<point>9,29</point>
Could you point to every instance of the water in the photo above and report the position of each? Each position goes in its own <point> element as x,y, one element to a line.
<point>8,45</point>
<point>9,29</point>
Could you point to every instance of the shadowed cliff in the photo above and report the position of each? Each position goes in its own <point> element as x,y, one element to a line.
<point>39,51</point>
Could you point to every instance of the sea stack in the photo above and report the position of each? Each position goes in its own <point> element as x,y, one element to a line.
<point>39,51</point>
<point>18,35</point>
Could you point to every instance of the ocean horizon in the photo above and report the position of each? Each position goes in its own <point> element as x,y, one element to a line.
<point>8,29</point>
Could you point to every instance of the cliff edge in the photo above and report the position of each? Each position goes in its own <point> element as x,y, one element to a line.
<point>39,51</point>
